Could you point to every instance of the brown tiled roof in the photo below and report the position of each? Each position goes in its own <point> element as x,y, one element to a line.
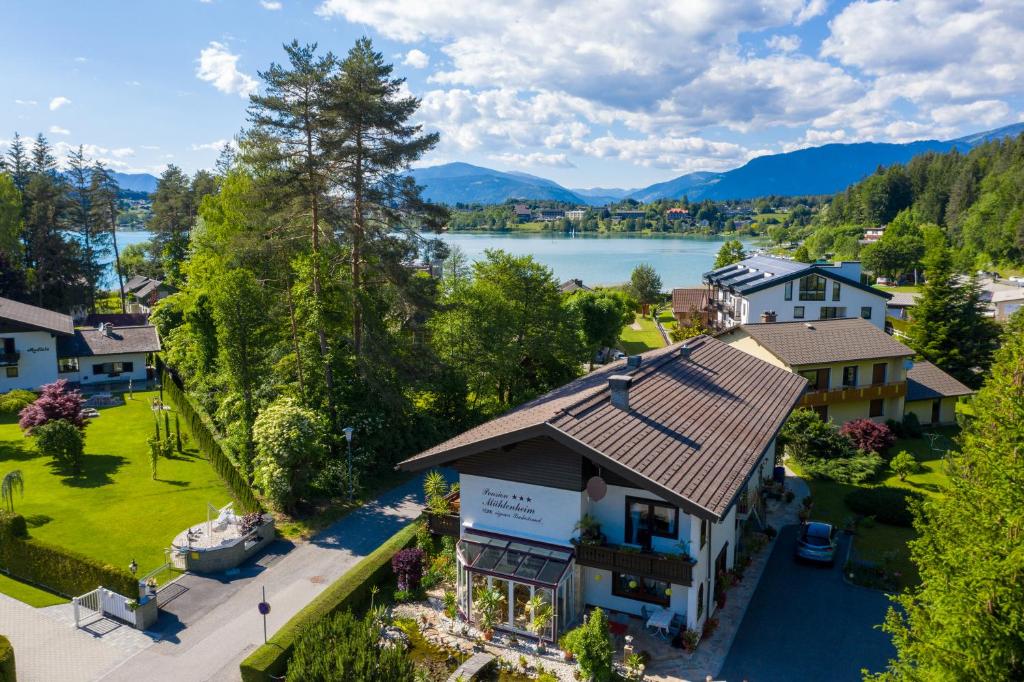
<point>116,319</point>
<point>925,381</point>
<point>688,300</point>
<point>822,341</point>
<point>695,428</point>
<point>90,342</point>
<point>571,285</point>
<point>38,318</point>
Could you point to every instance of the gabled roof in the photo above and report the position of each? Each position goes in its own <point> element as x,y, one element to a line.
<point>904,299</point>
<point>696,425</point>
<point>822,341</point>
<point>135,282</point>
<point>762,272</point>
<point>22,314</point>
<point>689,299</point>
<point>92,342</point>
<point>571,285</point>
<point>925,381</point>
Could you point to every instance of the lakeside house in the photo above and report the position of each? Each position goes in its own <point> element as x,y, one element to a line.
<point>627,489</point>
<point>523,213</point>
<point>771,289</point>
<point>571,285</point>
<point>854,370</point>
<point>40,346</point>
<point>576,214</point>
<point>689,305</point>
<point>143,293</point>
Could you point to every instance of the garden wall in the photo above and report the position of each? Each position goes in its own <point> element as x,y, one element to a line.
<point>7,672</point>
<point>57,569</point>
<point>203,430</point>
<point>350,591</point>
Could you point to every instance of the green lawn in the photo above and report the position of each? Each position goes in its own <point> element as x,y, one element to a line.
<point>906,289</point>
<point>635,341</point>
<point>114,511</point>
<point>32,596</point>
<point>874,542</point>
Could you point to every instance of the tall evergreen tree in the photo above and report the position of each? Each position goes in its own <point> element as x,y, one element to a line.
<point>104,207</point>
<point>171,222</point>
<point>18,163</point>
<point>81,220</point>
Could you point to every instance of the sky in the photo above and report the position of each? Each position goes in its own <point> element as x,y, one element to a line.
<point>611,93</point>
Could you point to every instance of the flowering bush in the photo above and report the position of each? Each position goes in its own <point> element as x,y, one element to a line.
<point>55,402</point>
<point>290,443</point>
<point>867,436</point>
<point>408,567</point>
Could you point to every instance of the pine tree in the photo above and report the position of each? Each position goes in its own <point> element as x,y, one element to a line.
<point>17,163</point>
<point>81,219</point>
<point>171,222</point>
<point>104,207</point>
<point>964,621</point>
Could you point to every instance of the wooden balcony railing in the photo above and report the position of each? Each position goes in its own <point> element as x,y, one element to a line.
<point>443,524</point>
<point>844,394</point>
<point>674,569</point>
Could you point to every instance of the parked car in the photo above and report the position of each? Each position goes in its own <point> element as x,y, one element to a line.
<point>816,542</point>
<point>618,355</point>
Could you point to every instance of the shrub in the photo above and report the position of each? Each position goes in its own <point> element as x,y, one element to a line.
<point>868,436</point>
<point>807,437</point>
<point>289,441</point>
<point>896,427</point>
<point>887,505</point>
<point>62,442</point>
<point>7,671</point>
<point>55,402</point>
<point>408,567</point>
<point>903,464</point>
<point>593,648</point>
<point>344,647</point>
<point>857,469</point>
<point>15,401</point>
<point>911,425</point>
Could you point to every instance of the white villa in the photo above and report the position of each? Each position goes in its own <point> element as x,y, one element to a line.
<point>39,346</point>
<point>769,289</point>
<point>665,454</point>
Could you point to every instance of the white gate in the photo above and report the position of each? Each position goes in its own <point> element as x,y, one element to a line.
<point>86,606</point>
<point>102,602</point>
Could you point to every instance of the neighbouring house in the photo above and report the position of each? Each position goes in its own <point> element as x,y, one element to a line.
<point>571,285</point>
<point>142,293</point>
<point>767,288</point>
<point>523,213</point>
<point>690,304</point>
<point>626,215</point>
<point>576,214</point>
<point>41,346</point>
<point>676,213</point>
<point>854,370</point>
<point>1006,302</point>
<point>546,215</point>
<point>626,489</point>
<point>873,234</point>
<point>900,305</point>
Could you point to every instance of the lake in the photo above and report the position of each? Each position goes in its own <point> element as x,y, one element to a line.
<point>596,259</point>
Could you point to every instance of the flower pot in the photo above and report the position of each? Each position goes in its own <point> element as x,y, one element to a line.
<point>566,656</point>
<point>488,635</point>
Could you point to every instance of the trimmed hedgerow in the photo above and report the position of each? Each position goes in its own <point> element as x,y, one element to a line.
<point>349,592</point>
<point>57,569</point>
<point>887,505</point>
<point>7,671</point>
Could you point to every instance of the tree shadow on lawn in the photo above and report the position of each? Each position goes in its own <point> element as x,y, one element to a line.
<point>15,451</point>
<point>180,484</point>
<point>37,520</point>
<point>97,471</point>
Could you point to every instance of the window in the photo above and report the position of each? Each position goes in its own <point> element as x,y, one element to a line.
<point>8,346</point>
<point>829,312</point>
<point>789,291</point>
<point>700,601</point>
<point>703,533</point>
<point>850,375</point>
<point>878,373</point>
<point>877,408</point>
<point>865,312</point>
<point>646,519</point>
<point>65,365</point>
<point>835,291</point>
<point>641,589</point>
<point>798,312</point>
<point>817,378</point>
<point>12,372</point>
<point>113,368</point>
<point>812,288</point>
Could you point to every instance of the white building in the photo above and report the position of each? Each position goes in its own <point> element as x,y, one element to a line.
<point>770,289</point>
<point>661,457</point>
<point>576,214</point>
<point>40,346</point>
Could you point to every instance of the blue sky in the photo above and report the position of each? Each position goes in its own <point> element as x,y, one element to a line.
<point>589,93</point>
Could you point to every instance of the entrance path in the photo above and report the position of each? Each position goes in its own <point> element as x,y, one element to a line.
<point>210,624</point>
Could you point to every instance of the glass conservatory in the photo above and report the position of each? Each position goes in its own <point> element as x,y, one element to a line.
<point>519,570</point>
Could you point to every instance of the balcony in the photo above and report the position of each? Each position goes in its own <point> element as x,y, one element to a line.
<point>843,394</point>
<point>443,524</point>
<point>9,359</point>
<point>671,568</point>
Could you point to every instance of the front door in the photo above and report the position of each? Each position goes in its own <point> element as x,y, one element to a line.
<point>720,568</point>
<point>936,410</point>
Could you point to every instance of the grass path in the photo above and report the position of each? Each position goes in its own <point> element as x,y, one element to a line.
<point>634,342</point>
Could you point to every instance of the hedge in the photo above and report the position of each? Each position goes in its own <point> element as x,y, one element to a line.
<point>887,505</point>
<point>57,569</point>
<point>7,672</point>
<point>350,591</point>
<point>205,433</point>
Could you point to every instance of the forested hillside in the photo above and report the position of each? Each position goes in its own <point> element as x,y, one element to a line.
<point>977,199</point>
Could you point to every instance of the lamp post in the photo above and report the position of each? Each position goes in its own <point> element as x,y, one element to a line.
<point>133,567</point>
<point>348,438</point>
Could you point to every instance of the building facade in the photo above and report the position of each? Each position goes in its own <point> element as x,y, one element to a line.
<point>627,489</point>
<point>766,288</point>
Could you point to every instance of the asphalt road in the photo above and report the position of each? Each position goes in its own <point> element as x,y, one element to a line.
<point>805,623</point>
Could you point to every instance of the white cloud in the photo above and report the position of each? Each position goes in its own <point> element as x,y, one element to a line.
<point>57,130</point>
<point>417,59</point>
<point>271,5</point>
<point>81,60</point>
<point>988,112</point>
<point>133,84</point>
<point>216,145</point>
<point>219,67</point>
<point>535,159</point>
<point>122,152</point>
<point>783,43</point>
<point>26,102</point>
<point>57,102</point>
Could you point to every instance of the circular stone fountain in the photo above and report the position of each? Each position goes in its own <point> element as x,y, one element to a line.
<point>223,542</point>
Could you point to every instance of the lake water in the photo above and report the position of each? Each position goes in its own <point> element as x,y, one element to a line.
<point>595,259</point>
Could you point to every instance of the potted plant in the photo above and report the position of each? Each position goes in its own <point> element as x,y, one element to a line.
<point>487,603</point>
<point>690,638</point>
<point>590,531</point>
<point>540,616</point>
<point>567,643</point>
<point>451,609</point>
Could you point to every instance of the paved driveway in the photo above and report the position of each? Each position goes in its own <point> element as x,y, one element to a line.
<point>804,623</point>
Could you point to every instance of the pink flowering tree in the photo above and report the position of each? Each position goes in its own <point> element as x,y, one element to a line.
<point>869,436</point>
<point>57,401</point>
<point>408,567</point>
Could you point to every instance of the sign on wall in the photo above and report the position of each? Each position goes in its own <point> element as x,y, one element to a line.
<point>530,511</point>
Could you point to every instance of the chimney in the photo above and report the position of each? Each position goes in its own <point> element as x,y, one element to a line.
<point>768,316</point>
<point>684,351</point>
<point>633,362</point>
<point>618,385</point>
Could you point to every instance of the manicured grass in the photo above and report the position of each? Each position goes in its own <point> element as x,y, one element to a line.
<point>875,542</point>
<point>906,289</point>
<point>902,326</point>
<point>114,511</point>
<point>647,338</point>
<point>24,592</point>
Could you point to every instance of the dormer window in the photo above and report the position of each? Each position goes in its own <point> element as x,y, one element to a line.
<point>812,288</point>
